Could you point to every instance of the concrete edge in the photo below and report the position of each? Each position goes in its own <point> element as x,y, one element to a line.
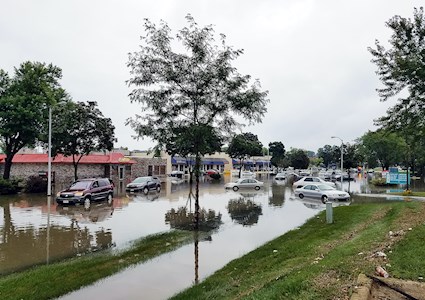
<point>363,288</point>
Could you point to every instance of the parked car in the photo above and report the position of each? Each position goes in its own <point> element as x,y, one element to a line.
<point>310,179</point>
<point>321,191</point>
<point>144,184</point>
<point>214,174</point>
<point>280,177</point>
<point>84,191</point>
<point>244,183</point>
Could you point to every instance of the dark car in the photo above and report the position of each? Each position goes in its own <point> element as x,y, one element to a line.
<point>84,191</point>
<point>144,184</point>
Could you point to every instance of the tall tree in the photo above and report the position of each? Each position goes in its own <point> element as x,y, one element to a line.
<point>298,158</point>
<point>401,69</point>
<point>24,102</point>
<point>278,154</point>
<point>192,92</point>
<point>78,129</point>
<point>243,146</point>
<point>385,147</point>
<point>329,154</point>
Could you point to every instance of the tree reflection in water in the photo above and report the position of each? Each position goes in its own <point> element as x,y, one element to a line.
<point>184,219</point>
<point>278,195</point>
<point>244,211</point>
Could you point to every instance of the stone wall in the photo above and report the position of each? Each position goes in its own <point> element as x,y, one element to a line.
<point>149,167</point>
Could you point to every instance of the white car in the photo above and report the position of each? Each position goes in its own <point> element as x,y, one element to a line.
<point>321,191</point>
<point>244,183</point>
<point>312,180</point>
<point>280,176</point>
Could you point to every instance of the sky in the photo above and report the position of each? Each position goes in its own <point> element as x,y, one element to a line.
<point>310,55</point>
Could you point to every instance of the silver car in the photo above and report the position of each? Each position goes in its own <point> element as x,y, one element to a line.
<point>321,191</point>
<point>244,183</point>
<point>312,180</point>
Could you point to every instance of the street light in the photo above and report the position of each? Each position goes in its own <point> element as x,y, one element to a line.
<point>342,158</point>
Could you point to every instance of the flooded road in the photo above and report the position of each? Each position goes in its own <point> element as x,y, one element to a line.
<point>35,231</point>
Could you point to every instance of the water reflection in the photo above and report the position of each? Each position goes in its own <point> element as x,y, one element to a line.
<point>278,194</point>
<point>244,210</point>
<point>183,219</point>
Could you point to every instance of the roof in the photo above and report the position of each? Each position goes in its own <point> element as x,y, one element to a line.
<point>111,158</point>
<point>204,161</point>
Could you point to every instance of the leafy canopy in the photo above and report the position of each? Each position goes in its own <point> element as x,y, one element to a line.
<point>78,129</point>
<point>277,149</point>
<point>24,102</point>
<point>190,100</point>
<point>402,68</point>
<point>245,145</point>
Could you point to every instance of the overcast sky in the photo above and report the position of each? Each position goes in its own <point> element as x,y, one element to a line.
<point>310,55</point>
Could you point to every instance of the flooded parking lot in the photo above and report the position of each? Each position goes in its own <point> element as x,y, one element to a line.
<point>34,230</point>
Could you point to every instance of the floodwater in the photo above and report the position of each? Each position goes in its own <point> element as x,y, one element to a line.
<point>34,231</point>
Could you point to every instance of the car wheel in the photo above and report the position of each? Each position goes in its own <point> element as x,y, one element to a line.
<point>87,203</point>
<point>109,199</point>
<point>146,190</point>
<point>257,188</point>
<point>158,188</point>
<point>235,188</point>
<point>301,196</point>
<point>324,198</point>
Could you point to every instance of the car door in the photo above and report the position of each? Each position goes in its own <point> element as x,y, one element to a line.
<point>314,192</point>
<point>96,192</point>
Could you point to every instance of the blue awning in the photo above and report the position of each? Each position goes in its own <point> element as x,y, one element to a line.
<point>205,161</point>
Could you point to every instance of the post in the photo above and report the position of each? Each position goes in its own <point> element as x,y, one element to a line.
<point>329,213</point>
<point>49,159</point>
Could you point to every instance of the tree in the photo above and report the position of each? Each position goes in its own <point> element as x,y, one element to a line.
<point>278,154</point>
<point>190,98</point>
<point>329,154</point>
<point>24,102</point>
<point>402,71</point>
<point>244,145</point>
<point>298,158</point>
<point>78,129</point>
<point>385,147</point>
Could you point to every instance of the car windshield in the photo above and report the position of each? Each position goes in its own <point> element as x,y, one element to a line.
<point>141,179</point>
<point>80,185</point>
<point>324,187</point>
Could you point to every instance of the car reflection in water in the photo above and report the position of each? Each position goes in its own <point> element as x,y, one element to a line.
<point>243,210</point>
<point>317,204</point>
<point>97,213</point>
<point>150,197</point>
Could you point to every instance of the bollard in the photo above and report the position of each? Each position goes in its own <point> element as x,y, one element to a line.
<point>329,213</point>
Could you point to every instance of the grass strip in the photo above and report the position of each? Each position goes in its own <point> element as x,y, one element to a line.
<point>319,260</point>
<point>54,280</point>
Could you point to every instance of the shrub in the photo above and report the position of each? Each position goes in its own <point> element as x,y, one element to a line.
<point>35,184</point>
<point>9,186</point>
<point>379,181</point>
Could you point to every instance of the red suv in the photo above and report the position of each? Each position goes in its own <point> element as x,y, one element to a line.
<point>84,191</point>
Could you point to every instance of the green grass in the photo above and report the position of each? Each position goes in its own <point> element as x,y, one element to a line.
<point>318,261</point>
<point>50,281</point>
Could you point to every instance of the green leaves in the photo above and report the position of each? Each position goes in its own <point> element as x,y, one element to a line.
<point>24,102</point>
<point>245,145</point>
<point>190,96</point>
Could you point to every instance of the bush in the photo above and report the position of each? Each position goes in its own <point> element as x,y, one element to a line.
<point>379,181</point>
<point>36,184</point>
<point>9,186</point>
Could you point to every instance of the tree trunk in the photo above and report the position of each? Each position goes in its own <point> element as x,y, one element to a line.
<point>197,171</point>
<point>75,171</point>
<point>7,167</point>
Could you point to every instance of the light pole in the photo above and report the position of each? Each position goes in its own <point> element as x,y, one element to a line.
<point>342,156</point>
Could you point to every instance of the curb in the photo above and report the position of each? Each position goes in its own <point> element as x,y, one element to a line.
<point>364,286</point>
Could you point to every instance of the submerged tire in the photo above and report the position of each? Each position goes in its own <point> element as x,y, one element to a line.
<point>235,188</point>
<point>109,199</point>
<point>324,198</point>
<point>145,190</point>
<point>301,196</point>
<point>87,203</point>
<point>257,188</point>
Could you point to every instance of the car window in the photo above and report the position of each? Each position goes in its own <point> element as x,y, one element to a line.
<point>78,185</point>
<point>316,180</point>
<point>103,182</point>
<point>307,187</point>
<point>245,181</point>
<point>308,179</point>
<point>314,188</point>
<point>95,184</point>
